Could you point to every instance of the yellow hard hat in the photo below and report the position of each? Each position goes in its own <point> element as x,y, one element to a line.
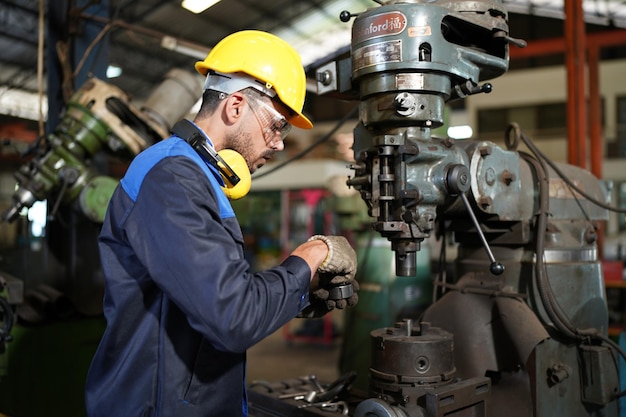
<point>267,58</point>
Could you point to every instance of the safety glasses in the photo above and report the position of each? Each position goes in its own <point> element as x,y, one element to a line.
<point>272,123</point>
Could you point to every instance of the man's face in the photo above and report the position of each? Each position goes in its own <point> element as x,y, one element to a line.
<point>261,132</point>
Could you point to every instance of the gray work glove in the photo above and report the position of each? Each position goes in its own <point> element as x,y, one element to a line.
<point>340,263</point>
<point>338,269</point>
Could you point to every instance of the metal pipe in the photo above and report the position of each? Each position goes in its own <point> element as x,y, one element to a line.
<point>575,63</point>
<point>596,141</point>
<point>552,46</point>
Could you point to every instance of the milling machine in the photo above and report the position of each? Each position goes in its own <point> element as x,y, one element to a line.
<point>520,326</point>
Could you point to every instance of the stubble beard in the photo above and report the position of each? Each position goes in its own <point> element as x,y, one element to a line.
<point>241,141</point>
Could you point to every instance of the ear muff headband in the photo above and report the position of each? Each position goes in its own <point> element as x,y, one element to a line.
<point>228,162</point>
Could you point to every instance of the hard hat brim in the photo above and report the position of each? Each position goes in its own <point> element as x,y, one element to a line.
<point>301,121</point>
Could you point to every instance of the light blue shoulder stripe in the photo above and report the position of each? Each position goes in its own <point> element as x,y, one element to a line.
<point>174,146</point>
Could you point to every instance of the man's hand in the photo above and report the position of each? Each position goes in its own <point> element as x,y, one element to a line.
<point>341,258</point>
<point>334,285</point>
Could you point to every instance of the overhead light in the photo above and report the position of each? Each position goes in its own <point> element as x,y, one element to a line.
<point>198,6</point>
<point>460,132</point>
<point>113,71</point>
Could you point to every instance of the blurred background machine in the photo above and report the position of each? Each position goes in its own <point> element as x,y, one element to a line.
<point>51,299</point>
<point>99,117</point>
<point>519,322</point>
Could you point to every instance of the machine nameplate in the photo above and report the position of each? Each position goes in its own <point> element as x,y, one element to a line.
<point>384,24</point>
<point>413,81</point>
<point>419,31</point>
<point>378,53</point>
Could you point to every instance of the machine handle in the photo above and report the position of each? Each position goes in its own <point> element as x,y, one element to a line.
<point>458,180</point>
<point>496,268</point>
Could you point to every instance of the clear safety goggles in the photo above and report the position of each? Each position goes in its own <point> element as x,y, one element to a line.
<point>272,123</point>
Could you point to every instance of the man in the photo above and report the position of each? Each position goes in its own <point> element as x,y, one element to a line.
<point>180,301</point>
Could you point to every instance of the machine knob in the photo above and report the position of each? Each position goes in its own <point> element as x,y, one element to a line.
<point>458,179</point>
<point>496,268</point>
<point>405,104</point>
<point>345,16</point>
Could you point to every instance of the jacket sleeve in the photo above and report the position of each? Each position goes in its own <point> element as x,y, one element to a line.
<point>191,253</point>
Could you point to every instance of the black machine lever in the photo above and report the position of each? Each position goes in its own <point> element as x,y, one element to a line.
<point>458,180</point>
<point>520,43</point>
<point>495,268</point>
<point>470,88</point>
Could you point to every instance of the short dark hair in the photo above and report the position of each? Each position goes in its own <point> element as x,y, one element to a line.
<point>210,101</point>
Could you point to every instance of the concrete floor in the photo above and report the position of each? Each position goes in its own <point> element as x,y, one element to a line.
<point>278,358</point>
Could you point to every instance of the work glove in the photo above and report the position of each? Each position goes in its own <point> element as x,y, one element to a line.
<point>334,285</point>
<point>341,258</point>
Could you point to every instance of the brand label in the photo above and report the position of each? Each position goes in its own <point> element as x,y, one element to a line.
<point>383,24</point>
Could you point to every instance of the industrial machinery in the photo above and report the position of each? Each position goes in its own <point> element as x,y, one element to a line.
<point>99,117</point>
<point>75,168</point>
<point>520,326</point>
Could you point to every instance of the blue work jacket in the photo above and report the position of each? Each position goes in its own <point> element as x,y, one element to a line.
<point>180,302</point>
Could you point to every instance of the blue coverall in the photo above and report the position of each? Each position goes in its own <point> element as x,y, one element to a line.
<point>180,302</point>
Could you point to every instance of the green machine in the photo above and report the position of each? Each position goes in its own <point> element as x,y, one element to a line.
<point>99,117</point>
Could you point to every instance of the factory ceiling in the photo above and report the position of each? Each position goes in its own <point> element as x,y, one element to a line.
<point>147,38</point>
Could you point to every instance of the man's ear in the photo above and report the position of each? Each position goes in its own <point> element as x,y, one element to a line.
<point>233,107</point>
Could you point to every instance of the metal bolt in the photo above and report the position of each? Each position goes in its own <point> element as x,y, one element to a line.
<point>558,372</point>
<point>591,235</point>
<point>485,202</point>
<point>484,151</point>
<point>325,78</point>
<point>463,179</point>
<point>508,177</point>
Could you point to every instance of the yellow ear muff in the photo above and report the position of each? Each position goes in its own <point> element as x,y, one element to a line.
<point>238,164</point>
